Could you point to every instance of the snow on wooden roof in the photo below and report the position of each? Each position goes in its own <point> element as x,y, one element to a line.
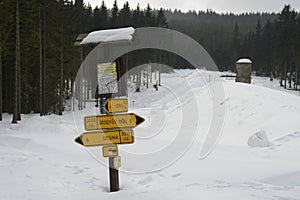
<point>109,35</point>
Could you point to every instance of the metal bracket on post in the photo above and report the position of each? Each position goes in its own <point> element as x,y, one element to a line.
<point>102,102</point>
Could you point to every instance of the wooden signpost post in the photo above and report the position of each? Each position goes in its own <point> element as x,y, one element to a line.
<point>114,126</point>
<point>109,131</point>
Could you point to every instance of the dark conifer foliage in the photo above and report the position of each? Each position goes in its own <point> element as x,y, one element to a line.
<point>48,61</point>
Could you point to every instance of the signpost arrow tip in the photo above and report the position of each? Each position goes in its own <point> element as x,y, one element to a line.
<point>78,140</point>
<point>139,119</point>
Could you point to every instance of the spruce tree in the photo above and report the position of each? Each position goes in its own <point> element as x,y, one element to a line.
<point>125,15</point>
<point>137,17</point>
<point>258,57</point>
<point>114,19</point>
<point>236,42</point>
<point>161,19</point>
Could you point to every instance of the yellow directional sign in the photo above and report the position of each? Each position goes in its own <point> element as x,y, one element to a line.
<point>128,120</point>
<point>110,151</point>
<point>106,138</point>
<point>116,105</point>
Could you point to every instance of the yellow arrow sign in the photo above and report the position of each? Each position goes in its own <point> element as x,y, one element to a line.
<point>89,139</point>
<point>128,120</point>
<point>116,105</point>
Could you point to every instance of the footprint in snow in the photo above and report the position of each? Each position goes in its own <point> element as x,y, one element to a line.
<point>145,180</point>
<point>176,175</point>
<point>79,171</point>
<point>222,184</point>
<point>193,184</point>
<point>287,138</point>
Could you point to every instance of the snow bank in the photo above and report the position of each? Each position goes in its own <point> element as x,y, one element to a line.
<point>259,139</point>
<point>287,180</point>
<point>111,35</point>
<point>40,160</point>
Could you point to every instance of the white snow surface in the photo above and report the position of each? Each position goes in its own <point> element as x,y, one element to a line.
<point>40,160</point>
<point>109,35</point>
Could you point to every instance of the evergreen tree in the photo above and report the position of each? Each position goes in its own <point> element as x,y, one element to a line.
<point>267,48</point>
<point>161,19</point>
<point>103,16</point>
<point>285,38</point>
<point>137,17</point>
<point>149,17</point>
<point>125,15</point>
<point>48,29</point>
<point>96,19</point>
<point>236,42</point>
<point>258,54</point>
<point>114,19</point>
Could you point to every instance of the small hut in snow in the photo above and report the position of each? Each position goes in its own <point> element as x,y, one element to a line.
<point>243,70</point>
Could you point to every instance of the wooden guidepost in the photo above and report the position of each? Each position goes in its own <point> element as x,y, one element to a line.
<point>114,126</point>
<point>113,176</point>
<point>113,172</point>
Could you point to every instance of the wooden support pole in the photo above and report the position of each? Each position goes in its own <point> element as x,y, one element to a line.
<point>113,176</point>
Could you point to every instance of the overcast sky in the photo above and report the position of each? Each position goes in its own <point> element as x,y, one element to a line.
<point>236,6</point>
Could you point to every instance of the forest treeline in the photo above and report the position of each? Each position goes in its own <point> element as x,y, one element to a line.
<point>39,62</point>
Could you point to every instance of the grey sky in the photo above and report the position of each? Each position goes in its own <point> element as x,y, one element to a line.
<point>236,6</point>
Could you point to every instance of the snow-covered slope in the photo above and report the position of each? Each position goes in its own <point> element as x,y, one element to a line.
<point>39,159</point>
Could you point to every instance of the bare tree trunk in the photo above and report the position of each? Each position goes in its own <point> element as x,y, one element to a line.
<point>41,67</point>
<point>155,68</point>
<point>80,90</point>
<point>61,81</point>
<point>159,77</point>
<point>150,71</point>
<point>44,69</point>
<point>138,81</point>
<point>73,95</point>
<point>0,76</point>
<point>159,70</point>
<point>84,88</point>
<point>61,68</point>
<point>281,78</point>
<point>296,79</point>
<point>285,76</point>
<point>80,104</point>
<point>147,74</point>
<point>17,67</point>
<point>19,62</point>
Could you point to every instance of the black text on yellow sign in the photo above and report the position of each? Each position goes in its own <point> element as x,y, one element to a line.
<point>106,138</point>
<point>128,120</point>
<point>116,105</point>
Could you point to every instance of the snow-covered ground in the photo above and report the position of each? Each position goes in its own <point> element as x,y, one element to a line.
<point>40,160</point>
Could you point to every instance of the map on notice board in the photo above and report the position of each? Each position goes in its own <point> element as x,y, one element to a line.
<point>107,78</point>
